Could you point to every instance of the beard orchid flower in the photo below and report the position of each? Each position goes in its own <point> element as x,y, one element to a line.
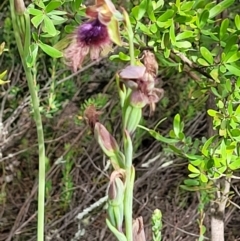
<point>95,36</point>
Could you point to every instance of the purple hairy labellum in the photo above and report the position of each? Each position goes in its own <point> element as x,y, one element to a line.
<point>89,38</point>
<point>96,36</point>
<point>92,33</point>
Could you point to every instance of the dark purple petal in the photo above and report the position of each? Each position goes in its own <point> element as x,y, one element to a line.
<point>92,33</point>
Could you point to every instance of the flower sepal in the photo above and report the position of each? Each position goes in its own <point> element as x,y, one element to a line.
<point>109,145</point>
<point>132,117</point>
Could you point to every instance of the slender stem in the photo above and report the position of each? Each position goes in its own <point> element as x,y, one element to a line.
<point>130,37</point>
<point>131,49</point>
<point>128,202</point>
<point>30,76</point>
<point>128,148</point>
<point>128,195</point>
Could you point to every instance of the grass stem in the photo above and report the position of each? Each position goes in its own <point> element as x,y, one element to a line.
<point>23,48</point>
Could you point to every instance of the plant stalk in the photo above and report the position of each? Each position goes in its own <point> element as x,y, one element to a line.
<point>128,149</point>
<point>23,49</point>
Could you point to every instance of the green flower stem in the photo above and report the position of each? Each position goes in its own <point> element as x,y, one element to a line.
<point>130,37</point>
<point>128,202</point>
<point>128,147</point>
<point>24,52</point>
<point>128,195</point>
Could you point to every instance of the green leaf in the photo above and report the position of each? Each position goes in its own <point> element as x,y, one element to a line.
<point>150,11</point>
<point>32,56</point>
<point>193,175</point>
<point>52,5</point>
<point>215,92</point>
<point>232,69</point>
<point>77,4</point>
<point>153,28</point>
<point>191,182</point>
<point>69,28</point>
<point>176,150</point>
<point>237,21</point>
<point>203,178</point>
<point>40,4</point>
<point>37,20</point>
<point>204,16</point>
<point>205,149</point>
<point>142,9</point>
<point>161,138</point>
<point>222,69</point>
<point>54,53</point>
<point>184,35</point>
<point>58,12</point>
<point>235,164</point>
<point>139,10</point>
<point>220,104</point>
<point>202,62</point>
<point>187,6</point>
<point>144,28</point>
<point>172,33</point>
<point>158,5</point>
<point>199,4</point>
<point>166,15</point>
<point>177,125</point>
<point>2,76</point>
<point>220,7</point>
<point>206,55</point>
<point>232,58</point>
<point>183,44</point>
<point>214,75</point>
<point>123,56</point>
<point>34,11</point>
<point>237,111</point>
<point>57,19</point>
<point>49,26</point>
<point>193,169</point>
<point>119,235</point>
<point>197,162</point>
<point>212,113</point>
<point>230,44</point>
<point>223,28</point>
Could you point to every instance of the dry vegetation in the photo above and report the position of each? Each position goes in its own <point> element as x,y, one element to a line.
<point>159,173</point>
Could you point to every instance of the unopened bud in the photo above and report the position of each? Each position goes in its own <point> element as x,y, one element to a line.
<point>105,139</point>
<point>19,6</point>
<point>138,230</point>
<point>116,186</point>
<point>116,199</point>
<point>150,62</point>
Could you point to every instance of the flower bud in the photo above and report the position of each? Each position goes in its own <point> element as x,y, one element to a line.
<point>116,186</point>
<point>116,199</point>
<point>109,145</point>
<point>105,139</point>
<point>19,6</point>
<point>138,230</point>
